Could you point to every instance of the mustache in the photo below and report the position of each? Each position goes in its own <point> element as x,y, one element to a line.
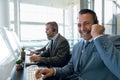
<point>89,31</point>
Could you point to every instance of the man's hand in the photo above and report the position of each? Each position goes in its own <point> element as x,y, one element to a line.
<point>35,58</point>
<point>34,52</point>
<point>97,30</point>
<point>46,72</point>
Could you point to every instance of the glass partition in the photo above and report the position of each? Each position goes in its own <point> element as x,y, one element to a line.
<point>12,41</point>
<point>7,59</point>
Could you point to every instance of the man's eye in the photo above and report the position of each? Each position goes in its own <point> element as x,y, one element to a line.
<point>79,25</point>
<point>86,23</point>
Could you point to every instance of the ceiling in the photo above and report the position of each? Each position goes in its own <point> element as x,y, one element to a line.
<point>52,3</point>
<point>56,3</point>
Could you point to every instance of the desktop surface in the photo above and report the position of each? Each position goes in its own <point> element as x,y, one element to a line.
<point>18,75</point>
<point>25,73</point>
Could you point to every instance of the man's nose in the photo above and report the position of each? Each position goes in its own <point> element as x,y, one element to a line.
<point>82,28</point>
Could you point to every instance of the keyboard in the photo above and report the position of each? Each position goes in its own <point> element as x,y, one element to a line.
<point>30,75</point>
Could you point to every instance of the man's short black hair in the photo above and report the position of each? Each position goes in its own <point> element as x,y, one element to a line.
<point>84,11</point>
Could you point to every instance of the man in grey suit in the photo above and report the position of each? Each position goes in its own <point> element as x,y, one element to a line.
<point>98,60</point>
<point>58,52</point>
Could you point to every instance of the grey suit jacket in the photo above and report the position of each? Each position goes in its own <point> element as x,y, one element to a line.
<point>59,55</point>
<point>101,63</point>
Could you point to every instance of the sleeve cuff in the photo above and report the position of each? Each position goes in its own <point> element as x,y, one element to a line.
<point>97,37</point>
<point>54,71</point>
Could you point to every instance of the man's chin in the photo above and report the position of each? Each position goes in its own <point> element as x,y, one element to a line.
<point>87,37</point>
<point>48,38</point>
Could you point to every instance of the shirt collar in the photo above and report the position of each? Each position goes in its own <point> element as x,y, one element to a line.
<point>54,38</point>
<point>90,40</point>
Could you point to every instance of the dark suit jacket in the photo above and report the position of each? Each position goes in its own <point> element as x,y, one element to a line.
<point>102,61</point>
<point>59,55</point>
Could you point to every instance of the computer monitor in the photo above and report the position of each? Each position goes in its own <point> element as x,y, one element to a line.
<point>13,41</point>
<point>7,59</point>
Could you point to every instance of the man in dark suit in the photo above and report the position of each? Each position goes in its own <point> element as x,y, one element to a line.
<point>98,60</point>
<point>58,52</point>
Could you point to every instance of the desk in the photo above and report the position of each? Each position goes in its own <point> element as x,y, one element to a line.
<point>21,74</point>
<point>18,75</point>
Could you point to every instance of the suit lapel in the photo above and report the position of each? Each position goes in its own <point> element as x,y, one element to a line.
<point>54,45</point>
<point>79,54</point>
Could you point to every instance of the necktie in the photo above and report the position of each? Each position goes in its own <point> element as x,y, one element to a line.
<point>84,52</point>
<point>83,55</point>
<point>51,45</point>
<point>86,44</point>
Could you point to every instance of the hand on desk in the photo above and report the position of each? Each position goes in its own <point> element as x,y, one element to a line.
<point>46,72</point>
<point>35,58</point>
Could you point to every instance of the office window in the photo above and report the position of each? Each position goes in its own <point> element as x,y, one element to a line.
<point>7,58</point>
<point>33,32</point>
<point>34,17</point>
<point>33,35</point>
<point>98,10</point>
<point>107,11</point>
<point>33,20</point>
<point>5,51</point>
<point>11,14</point>
<point>36,13</point>
<point>71,28</point>
<point>104,15</point>
<point>75,32</point>
<point>118,6</point>
<point>68,23</point>
<point>11,11</point>
<point>108,16</point>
